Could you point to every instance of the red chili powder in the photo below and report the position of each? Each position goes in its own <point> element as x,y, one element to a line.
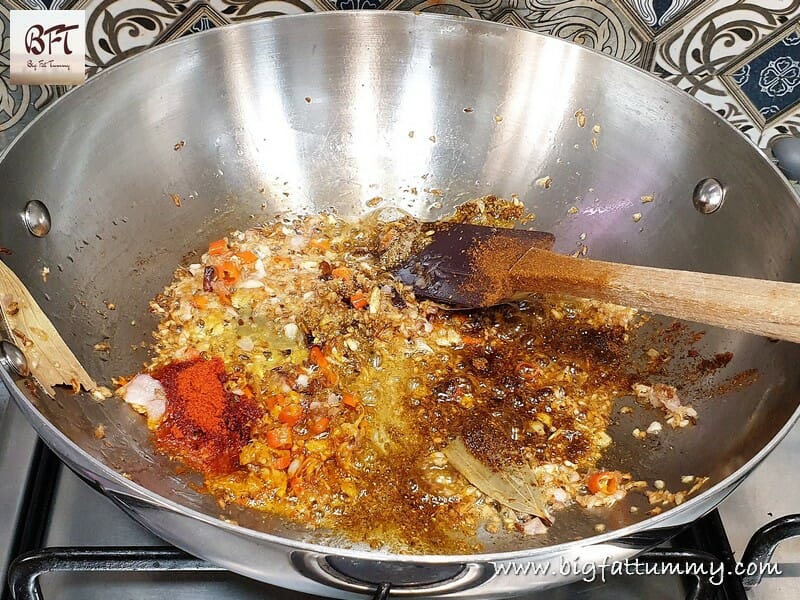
<point>205,425</point>
<point>200,385</point>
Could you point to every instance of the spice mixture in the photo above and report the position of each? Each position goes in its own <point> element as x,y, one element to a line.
<point>300,377</point>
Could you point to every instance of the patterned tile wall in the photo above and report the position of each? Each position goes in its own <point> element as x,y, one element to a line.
<point>741,57</point>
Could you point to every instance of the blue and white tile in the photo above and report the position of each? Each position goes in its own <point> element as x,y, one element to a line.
<point>658,14</point>
<point>767,79</point>
<point>597,24</point>
<point>708,37</point>
<point>117,29</point>
<point>691,43</point>
<point>696,50</point>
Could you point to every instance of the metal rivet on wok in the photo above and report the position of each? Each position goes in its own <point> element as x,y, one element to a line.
<point>13,360</point>
<point>708,196</point>
<point>37,218</point>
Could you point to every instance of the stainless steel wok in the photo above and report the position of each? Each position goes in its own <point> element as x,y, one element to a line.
<point>311,112</point>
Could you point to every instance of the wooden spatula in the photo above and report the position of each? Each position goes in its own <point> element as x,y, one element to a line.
<point>470,266</point>
<point>50,360</point>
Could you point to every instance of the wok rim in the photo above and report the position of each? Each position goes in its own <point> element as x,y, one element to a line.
<point>97,470</point>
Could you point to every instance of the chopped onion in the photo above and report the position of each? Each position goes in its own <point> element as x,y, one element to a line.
<point>534,527</point>
<point>302,380</point>
<point>654,428</point>
<point>294,466</point>
<point>560,495</point>
<point>423,347</point>
<point>291,330</point>
<point>185,311</point>
<point>246,343</point>
<point>147,396</point>
<point>666,398</point>
<point>251,284</point>
<point>374,301</point>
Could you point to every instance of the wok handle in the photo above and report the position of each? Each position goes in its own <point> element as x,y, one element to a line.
<point>384,579</point>
<point>767,308</point>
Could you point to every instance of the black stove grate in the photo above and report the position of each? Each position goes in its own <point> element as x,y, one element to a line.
<point>763,544</point>
<point>24,572</point>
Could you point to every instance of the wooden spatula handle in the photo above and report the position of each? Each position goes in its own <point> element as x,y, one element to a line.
<point>767,308</point>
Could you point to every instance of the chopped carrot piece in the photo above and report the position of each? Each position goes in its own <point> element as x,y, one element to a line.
<point>280,438</point>
<point>274,400</point>
<point>319,359</point>
<point>218,247</point>
<point>228,272</point>
<point>200,302</point>
<point>471,340</point>
<point>319,425</point>
<point>290,414</point>
<point>224,296</point>
<point>331,376</point>
<point>603,481</point>
<point>321,244</point>
<point>350,400</point>
<point>282,461</point>
<point>296,484</point>
<point>248,392</point>
<point>247,257</point>
<point>343,273</point>
<point>359,300</point>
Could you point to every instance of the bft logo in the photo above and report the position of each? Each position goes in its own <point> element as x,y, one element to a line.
<point>37,38</point>
<point>48,46</point>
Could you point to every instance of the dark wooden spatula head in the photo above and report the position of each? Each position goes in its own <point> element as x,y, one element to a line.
<point>467,266</point>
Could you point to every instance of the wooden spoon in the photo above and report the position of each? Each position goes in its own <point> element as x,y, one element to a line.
<point>470,266</point>
<point>50,360</point>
